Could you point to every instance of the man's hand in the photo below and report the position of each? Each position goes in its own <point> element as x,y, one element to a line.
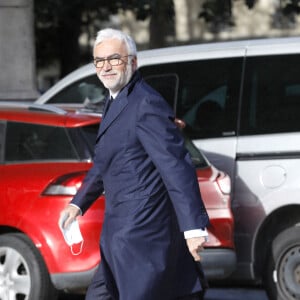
<point>68,215</point>
<point>195,245</point>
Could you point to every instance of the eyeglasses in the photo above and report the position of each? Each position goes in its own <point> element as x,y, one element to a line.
<point>115,60</point>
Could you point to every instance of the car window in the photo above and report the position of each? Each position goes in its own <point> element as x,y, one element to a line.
<point>199,160</point>
<point>207,94</point>
<point>84,139</point>
<point>28,142</point>
<point>88,90</point>
<point>271,98</point>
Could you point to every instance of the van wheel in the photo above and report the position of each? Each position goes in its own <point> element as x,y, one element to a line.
<point>23,274</point>
<point>283,271</point>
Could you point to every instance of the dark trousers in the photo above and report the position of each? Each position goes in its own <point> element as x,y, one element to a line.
<point>98,291</point>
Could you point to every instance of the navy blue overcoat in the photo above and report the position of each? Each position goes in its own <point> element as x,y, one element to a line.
<point>152,197</point>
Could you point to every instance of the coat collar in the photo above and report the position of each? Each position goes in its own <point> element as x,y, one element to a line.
<point>118,104</point>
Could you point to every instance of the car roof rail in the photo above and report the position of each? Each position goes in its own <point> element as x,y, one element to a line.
<point>47,108</point>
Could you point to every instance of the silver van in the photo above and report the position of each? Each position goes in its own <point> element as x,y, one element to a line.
<point>240,102</point>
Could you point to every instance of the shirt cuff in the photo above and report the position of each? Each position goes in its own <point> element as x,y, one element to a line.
<point>80,211</point>
<point>196,233</point>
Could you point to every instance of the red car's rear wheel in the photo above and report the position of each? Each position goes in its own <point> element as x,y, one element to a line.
<point>23,274</point>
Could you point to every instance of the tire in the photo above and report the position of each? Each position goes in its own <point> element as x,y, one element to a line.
<point>23,274</point>
<point>283,271</point>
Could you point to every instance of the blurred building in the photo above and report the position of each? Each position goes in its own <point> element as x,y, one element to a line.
<point>18,79</point>
<point>17,53</point>
<point>264,19</point>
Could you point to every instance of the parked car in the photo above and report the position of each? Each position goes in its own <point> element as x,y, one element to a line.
<point>240,101</point>
<point>45,152</point>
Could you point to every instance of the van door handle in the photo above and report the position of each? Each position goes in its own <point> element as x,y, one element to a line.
<point>228,133</point>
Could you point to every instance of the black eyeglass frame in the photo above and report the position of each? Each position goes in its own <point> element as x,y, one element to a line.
<point>114,60</point>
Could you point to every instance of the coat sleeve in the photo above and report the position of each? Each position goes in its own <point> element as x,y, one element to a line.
<point>164,143</point>
<point>91,188</point>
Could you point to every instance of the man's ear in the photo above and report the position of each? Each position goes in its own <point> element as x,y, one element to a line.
<point>134,63</point>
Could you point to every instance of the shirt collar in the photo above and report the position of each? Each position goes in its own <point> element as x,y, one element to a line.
<point>114,95</point>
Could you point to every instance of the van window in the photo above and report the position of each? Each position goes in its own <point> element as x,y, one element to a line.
<point>86,90</point>
<point>205,95</point>
<point>166,85</point>
<point>271,101</point>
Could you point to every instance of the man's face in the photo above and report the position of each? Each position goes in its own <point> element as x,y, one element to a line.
<point>108,53</point>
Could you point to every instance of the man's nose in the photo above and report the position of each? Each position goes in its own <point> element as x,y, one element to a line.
<point>107,66</point>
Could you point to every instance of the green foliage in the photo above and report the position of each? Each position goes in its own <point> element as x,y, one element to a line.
<point>59,24</point>
<point>250,3</point>
<point>290,6</point>
<point>217,14</point>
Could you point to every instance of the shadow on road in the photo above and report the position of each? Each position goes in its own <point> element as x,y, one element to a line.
<point>63,296</point>
<point>212,294</point>
<point>236,294</point>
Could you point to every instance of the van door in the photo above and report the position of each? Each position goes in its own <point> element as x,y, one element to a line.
<point>205,95</point>
<point>268,148</point>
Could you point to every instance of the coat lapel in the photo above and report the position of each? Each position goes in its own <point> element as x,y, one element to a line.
<point>115,109</point>
<point>117,105</point>
<point>106,105</point>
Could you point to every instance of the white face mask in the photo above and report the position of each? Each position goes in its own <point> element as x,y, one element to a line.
<point>72,235</point>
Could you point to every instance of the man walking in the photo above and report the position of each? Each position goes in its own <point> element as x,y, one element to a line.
<point>155,221</point>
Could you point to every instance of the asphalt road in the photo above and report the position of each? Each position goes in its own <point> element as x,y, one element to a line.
<point>236,294</point>
<point>232,293</point>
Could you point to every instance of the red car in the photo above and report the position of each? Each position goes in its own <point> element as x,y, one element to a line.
<point>45,153</point>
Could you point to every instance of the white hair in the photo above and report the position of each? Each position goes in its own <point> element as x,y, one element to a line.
<point>110,33</point>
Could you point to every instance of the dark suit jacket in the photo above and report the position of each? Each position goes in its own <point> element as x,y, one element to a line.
<point>152,196</point>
